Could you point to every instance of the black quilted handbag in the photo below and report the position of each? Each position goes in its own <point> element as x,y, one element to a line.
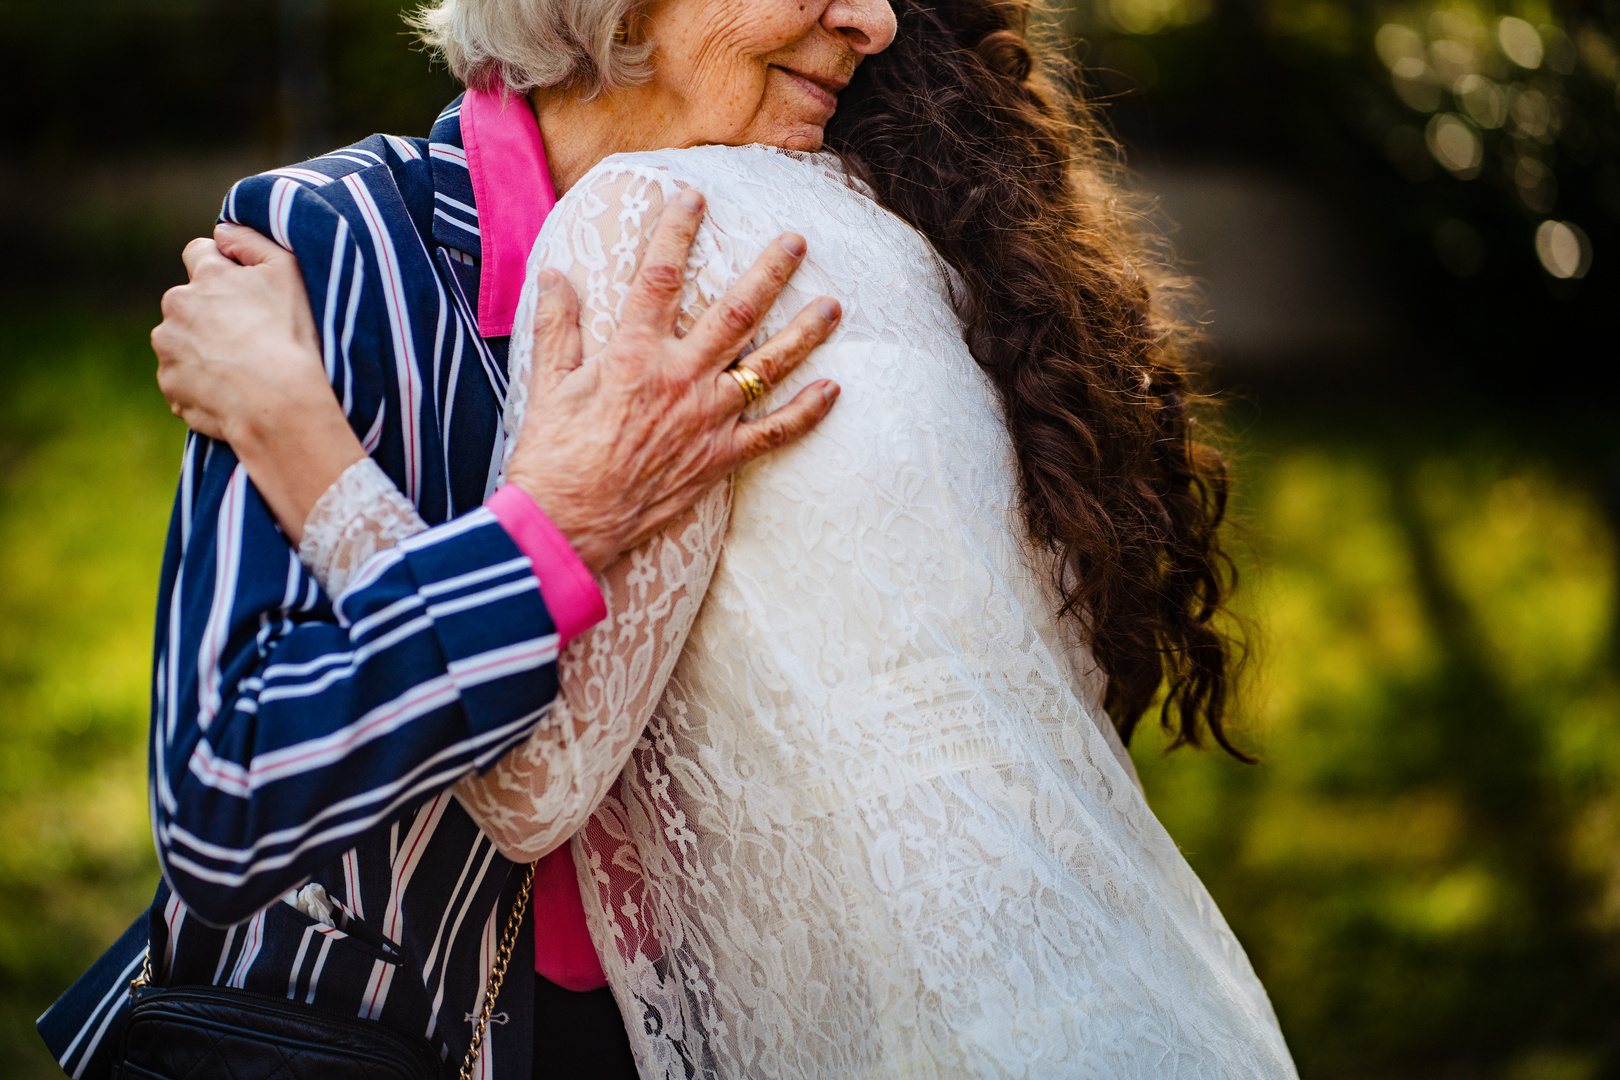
<point>221,1033</point>
<point>208,1032</point>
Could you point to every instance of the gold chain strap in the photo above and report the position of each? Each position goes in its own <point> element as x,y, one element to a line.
<point>497,974</point>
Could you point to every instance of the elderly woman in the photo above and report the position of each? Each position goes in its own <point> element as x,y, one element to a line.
<point>842,779</point>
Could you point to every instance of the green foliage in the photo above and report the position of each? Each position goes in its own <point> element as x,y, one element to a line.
<point>88,455</point>
<point>1426,867</point>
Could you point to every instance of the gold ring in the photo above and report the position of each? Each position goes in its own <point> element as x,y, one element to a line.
<point>753,387</point>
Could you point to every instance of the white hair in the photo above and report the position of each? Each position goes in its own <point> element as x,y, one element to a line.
<point>522,44</point>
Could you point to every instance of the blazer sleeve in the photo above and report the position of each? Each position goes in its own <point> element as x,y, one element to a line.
<point>286,723</point>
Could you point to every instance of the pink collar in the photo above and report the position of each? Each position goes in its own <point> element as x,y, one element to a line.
<point>512,186</point>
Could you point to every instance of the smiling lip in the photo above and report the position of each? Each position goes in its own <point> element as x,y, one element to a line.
<point>821,87</point>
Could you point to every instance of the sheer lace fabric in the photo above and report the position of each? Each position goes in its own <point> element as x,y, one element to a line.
<point>536,797</point>
<point>875,825</point>
<point>361,514</point>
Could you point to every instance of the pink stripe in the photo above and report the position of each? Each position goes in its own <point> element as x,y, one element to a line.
<point>506,161</point>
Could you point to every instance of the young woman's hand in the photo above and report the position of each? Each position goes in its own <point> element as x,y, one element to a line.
<point>239,361</point>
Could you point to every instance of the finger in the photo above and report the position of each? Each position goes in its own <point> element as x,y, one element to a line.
<point>772,431</point>
<point>655,293</point>
<point>558,347</point>
<point>246,246</point>
<point>788,347</point>
<point>199,254</point>
<point>734,319</point>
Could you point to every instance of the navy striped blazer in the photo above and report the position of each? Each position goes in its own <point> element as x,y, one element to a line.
<point>299,737</point>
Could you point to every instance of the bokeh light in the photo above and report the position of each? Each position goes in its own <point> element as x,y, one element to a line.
<point>1520,42</point>
<point>1564,249</point>
<point>1456,145</point>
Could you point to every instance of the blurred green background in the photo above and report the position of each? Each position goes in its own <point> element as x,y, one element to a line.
<point>1405,216</point>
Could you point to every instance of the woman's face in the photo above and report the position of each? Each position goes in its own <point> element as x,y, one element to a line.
<point>757,71</point>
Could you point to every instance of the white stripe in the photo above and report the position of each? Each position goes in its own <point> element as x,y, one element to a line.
<point>492,370</point>
<point>250,952</point>
<point>444,916</point>
<point>320,962</point>
<point>488,596</point>
<point>471,230</point>
<point>351,884</point>
<point>376,995</point>
<point>457,204</point>
<point>306,667</point>
<point>374,568</point>
<point>227,558</point>
<point>225,953</point>
<point>334,277</point>
<point>473,519</point>
<point>414,845</point>
<point>314,754</point>
<point>455,930</point>
<point>374,436</point>
<point>486,961</point>
<point>357,278</point>
<point>403,148</point>
<point>394,300</point>
<point>363,158</point>
<point>281,204</point>
<point>449,411</point>
<point>309,176</point>
<point>420,779</point>
<point>174,917</point>
<point>475,577</point>
<point>400,633</point>
<point>119,986</point>
<point>404,631</point>
<point>409,602</point>
<point>298,961</point>
<point>455,155</point>
<point>220,774</point>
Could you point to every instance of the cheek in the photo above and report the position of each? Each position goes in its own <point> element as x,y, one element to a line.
<point>783,122</point>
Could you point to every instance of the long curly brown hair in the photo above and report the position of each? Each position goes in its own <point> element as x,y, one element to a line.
<point>1012,178</point>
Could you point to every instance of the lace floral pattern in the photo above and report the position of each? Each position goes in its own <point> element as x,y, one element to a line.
<point>875,825</point>
<point>361,514</point>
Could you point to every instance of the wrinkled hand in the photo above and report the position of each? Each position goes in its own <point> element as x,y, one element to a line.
<point>614,449</point>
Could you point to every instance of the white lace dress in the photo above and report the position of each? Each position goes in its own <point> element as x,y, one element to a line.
<point>861,814</point>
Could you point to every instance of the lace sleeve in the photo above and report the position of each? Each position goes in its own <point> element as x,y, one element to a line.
<point>361,514</point>
<point>540,794</point>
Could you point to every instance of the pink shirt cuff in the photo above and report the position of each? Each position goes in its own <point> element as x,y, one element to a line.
<point>566,585</point>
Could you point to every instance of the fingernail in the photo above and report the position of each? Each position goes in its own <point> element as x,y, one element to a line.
<point>830,392</point>
<point>227,226</point>
<point>829,308</point>
<point>692,201</point>
<point>549,279</point>
<point>793,243</point>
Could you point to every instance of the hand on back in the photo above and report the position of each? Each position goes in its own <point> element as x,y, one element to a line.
<point>611,450</point>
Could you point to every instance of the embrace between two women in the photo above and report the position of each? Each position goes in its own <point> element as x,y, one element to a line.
<point>486,554</point>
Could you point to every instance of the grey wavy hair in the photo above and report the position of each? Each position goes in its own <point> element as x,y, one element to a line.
<point>523,44</point>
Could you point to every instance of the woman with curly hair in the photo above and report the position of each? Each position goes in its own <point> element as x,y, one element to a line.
<point>841,781</point>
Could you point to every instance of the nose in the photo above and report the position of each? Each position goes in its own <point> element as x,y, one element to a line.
<point>868,25</point>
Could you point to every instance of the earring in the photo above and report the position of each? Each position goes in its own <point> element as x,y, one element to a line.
<point>621,33</point>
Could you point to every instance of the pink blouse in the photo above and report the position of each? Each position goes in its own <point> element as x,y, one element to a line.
<point>514,192</point>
